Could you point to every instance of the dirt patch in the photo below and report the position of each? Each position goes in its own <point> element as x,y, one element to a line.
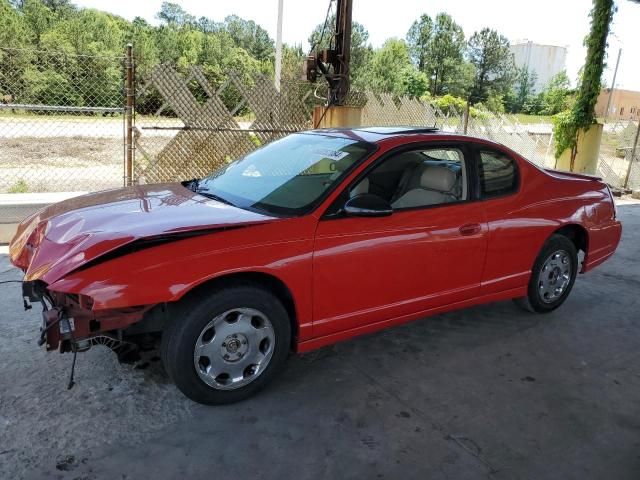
<point>55,164</point>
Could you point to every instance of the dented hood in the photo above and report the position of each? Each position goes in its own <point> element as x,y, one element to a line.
<point>64,236</point>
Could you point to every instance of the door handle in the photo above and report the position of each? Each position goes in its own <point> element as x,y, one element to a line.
<point>470,229</point>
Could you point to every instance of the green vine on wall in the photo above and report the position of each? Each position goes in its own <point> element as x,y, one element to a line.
<point>582,115</point>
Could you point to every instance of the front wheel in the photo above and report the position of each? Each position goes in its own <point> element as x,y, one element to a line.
<point>552,276</point>
<point>224,347</point>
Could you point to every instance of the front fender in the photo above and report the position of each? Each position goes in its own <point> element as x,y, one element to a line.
<point>165,273</point>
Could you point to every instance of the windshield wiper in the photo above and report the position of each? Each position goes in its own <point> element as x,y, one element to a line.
<point>192,184</point>
<point>207,193</point>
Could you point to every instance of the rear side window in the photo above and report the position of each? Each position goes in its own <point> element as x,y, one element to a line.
<point>498,174</point>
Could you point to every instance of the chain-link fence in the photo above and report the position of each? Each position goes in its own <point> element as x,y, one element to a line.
<point>615,165</point>
<point>63,128</point>
<point>190,123</point>
<point>532,141</point>
<point>61,121</point>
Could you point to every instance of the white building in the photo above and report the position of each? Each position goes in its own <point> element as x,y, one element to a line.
<point>545,60</point>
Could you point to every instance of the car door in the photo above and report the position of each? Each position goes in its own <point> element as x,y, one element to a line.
<point>422,256</point>
<point>508,263</point>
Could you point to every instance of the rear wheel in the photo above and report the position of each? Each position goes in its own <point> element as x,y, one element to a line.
<point>552,276</point>
<point>224,347</point>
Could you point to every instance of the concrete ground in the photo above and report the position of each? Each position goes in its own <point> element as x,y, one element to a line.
<point>488,392</point>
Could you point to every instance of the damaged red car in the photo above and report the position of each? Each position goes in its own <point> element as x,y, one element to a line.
<point>315,238</point>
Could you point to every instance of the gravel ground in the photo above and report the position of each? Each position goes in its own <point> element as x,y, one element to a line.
<point>41,422</point>
<point>487,392</point>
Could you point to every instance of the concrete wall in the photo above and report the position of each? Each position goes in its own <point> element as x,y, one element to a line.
<point>625,104</point>
<point>15,207</point>
<point>545,60</point>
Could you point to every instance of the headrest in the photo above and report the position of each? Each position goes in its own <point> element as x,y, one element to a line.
<point>361,187</point>
<point>440,179</point>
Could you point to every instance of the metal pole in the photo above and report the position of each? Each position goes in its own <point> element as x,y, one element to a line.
<point>279,46</point>
<point>128,115</point>
<point>613,86</point>
<point>633,156</point>
<point>465,118</point>
<point>342,61</point>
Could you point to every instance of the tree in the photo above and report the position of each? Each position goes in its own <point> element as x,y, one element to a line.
<point>415,83</point>
<point>446,51</point>
<point>522,92</point>
<point>556,95</point>
<point>489,52</point>
<point>174,15</point>
<point>250,36</point>
<point>388,68</point>
<point>437,49</point>
<point>13,28</point>
<point>419,40</point>
<point>292,58</point>
<point>39,18</point>
<point>361,50</point>
<point>142,36</point>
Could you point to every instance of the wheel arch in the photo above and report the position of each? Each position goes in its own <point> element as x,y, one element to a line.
<point>261,279</point>
<point>577,234</point>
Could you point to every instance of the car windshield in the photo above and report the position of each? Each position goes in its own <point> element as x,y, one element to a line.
<point>290,176</point>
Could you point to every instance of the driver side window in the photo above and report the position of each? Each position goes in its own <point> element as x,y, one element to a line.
<point>418,178</point>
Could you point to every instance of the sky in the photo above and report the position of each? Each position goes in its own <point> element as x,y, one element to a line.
<point>548,22</point>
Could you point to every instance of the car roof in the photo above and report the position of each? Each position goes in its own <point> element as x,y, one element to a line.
<point>376,134</point>
<point>379,134</point>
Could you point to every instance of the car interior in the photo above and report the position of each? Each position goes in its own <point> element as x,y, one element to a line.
<point>418,178</point>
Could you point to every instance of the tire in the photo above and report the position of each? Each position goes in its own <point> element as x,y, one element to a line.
<point>552,276</point>
<point>225,346</point>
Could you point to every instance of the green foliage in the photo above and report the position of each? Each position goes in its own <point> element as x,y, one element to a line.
<point>489,52</point>
<point>13,28</point>
<point>522,92</point>
<point>292,58</point>
<point>556,97</point>
<point>568,124</point>
<point>455,105</point>
<point>68,56</point>
<point>415,84</point>
<point>19,187</point>
<point>437,48</point>
<point>447,102</point>
<point>174,15</point>
<point>76,59</point>
<point>495,103</point>
<point>565,131</point>
<point>419,39</point>
<point>388,67</point>
<point>249,36</point>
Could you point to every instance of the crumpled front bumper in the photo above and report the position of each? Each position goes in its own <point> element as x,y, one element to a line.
<point>58,328</point>
<point>68,320</point>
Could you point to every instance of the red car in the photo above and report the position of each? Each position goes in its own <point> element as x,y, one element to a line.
<point>312,239</point>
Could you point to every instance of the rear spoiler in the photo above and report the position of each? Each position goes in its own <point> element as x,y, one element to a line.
<point>583,176</point>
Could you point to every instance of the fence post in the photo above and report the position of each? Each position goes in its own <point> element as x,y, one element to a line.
<point>633,156</point>
<point>465,118</point>
<point>128,114</point>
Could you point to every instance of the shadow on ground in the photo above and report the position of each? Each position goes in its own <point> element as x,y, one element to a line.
<point>487,392</point>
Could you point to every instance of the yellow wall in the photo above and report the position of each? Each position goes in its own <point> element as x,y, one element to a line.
<point>588,149</point>
<point>337,116</point>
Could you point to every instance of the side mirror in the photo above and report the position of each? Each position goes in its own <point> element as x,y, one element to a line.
<point>367,205</point>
